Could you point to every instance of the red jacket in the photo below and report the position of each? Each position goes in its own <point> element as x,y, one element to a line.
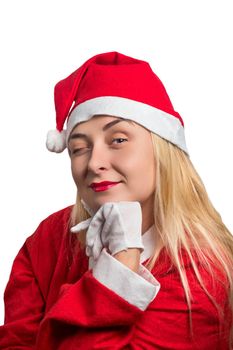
<point>54,302</point>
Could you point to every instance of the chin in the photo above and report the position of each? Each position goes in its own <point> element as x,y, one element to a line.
<point>96,205</point>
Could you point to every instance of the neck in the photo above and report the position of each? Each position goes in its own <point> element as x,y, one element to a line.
<point>147,215</point>
<point>146,226</point>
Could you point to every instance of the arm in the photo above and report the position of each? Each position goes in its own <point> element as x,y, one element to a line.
<point>93,312</point>
<point>138,287</point>
<point>85,311</point>
<point>130,258</point>
<point>111,230</point>
<point>79,307</point>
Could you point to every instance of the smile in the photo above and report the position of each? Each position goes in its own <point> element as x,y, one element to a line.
<point>103,187</point>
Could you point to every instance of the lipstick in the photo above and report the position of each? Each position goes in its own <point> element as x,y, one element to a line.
<point>103,186</point>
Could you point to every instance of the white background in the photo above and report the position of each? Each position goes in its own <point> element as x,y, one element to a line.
<point>189,46</point>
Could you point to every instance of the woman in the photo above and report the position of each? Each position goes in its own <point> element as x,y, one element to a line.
<point>142,260</point>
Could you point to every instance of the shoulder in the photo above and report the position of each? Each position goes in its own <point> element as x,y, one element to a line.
<point>51,231</point>
<point>40,252</point>
<point>206,280</point>
<point>59,217</point>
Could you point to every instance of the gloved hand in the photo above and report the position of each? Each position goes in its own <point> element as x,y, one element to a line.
<point>116,226</point>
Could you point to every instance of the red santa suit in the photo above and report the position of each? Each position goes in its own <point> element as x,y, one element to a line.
<point>55,302</point>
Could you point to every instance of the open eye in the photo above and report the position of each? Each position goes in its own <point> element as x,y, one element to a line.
<point>121,139</point>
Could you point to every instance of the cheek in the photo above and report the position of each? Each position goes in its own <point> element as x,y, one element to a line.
<point>126,162</point>
<point>141,167</point>
<point>76,172</point>
<point>133,165</point>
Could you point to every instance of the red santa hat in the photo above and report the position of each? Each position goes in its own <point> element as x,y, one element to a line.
<point>118,85</point>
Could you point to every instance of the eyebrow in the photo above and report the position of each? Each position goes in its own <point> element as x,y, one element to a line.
<point>106,127</point>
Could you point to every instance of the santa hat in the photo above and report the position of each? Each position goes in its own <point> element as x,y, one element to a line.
<point>116,85</point>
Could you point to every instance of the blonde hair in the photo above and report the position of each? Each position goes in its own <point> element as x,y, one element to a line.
<point>184,219</point>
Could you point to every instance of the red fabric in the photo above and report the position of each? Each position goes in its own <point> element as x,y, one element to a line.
<point>55,303</point>
<point>111,74</point>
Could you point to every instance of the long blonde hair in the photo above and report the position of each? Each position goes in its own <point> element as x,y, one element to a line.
<point>184,218</point>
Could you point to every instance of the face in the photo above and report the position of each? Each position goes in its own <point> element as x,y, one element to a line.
<point>107,148</point>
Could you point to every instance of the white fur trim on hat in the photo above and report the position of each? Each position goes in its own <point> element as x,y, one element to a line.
<point>56,141</point>
<point>154,119</point>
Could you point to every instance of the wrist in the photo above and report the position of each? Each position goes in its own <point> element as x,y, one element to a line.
<point>130,258</point>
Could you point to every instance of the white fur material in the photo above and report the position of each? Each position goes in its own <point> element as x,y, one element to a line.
<point>56,141</point>
<point>139,289</point>
<point>161,123</point>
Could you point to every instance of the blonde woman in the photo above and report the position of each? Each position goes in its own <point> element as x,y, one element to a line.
<point>142,260</point>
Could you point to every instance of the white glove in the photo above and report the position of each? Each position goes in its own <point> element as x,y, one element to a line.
<point>116,226</point>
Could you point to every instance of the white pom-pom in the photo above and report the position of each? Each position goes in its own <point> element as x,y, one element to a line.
<point>56,141</point>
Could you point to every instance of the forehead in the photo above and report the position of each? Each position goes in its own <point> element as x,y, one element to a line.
<point>103,124</point>
<point>102,121</point>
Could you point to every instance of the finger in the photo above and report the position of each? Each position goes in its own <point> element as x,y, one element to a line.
<point>97,248</point>
<point>83,225</point>
<point>88,251</point>
<point>93,233</point>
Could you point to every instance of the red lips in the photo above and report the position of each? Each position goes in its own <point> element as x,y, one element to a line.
<point>103,183</point>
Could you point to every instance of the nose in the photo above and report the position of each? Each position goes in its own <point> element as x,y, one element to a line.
<point>99,159</point>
